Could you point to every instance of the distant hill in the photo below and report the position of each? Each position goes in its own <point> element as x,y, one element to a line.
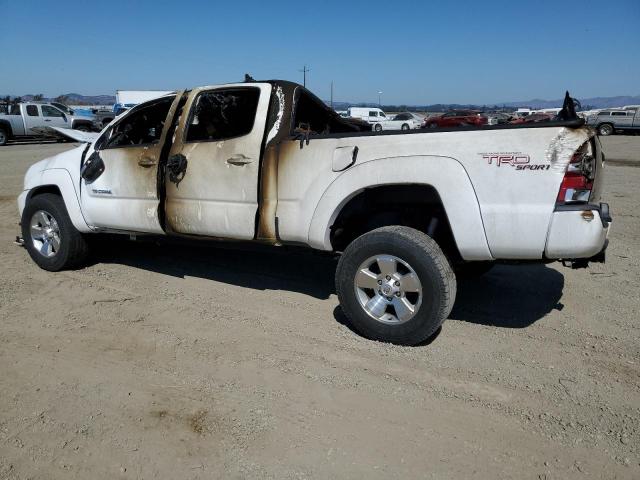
<point>595,102</point>
<point>590,103</point>
<point>73,99</point>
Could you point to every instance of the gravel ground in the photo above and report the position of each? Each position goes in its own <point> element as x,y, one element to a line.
<point>209,362</point>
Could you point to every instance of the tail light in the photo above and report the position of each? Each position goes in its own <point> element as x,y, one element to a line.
<point>578,179</point>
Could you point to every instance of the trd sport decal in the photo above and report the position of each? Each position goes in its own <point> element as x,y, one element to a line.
<point>517,160</point>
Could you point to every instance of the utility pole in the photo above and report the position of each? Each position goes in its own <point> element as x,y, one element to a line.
<point>304,75</point>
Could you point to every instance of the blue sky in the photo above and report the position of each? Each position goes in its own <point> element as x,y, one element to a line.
<point>415,52</point>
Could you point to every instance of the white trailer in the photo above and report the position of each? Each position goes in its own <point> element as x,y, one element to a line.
<point>134,97</point>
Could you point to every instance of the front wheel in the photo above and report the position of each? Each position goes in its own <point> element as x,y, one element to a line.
<point>395,285</point>
<point>404,127</point>
<point>605,129</point>
<point>377,127</point>
<point>49,236</point>
<point>83,128</point>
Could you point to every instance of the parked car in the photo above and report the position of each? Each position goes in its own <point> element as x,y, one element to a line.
<point>607,122</point>
<point>269,162</point>
<point>498,118</point>
<point>402,121</point>
<point>26,119</point>
<point>455,118</point>
<point>103,117</point>
<point>369,114</point>
<point>533,118</point>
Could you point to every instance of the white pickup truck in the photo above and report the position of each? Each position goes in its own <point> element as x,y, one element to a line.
<point>32,119</point>
<point>268,162</point>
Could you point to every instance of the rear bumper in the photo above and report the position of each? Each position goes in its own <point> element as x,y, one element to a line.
<point>578,231</point>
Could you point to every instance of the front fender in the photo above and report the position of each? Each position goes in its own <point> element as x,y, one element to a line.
<point>445,174</point>
<point>60,178</point>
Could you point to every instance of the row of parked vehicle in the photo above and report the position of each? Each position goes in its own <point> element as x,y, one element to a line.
<point>606,122</point>
<point>455,118</point>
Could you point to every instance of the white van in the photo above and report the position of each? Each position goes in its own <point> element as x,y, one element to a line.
<point>368,114</point>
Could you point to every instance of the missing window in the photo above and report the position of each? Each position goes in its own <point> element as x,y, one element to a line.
<point>222,114</point>
<point>143,126</point>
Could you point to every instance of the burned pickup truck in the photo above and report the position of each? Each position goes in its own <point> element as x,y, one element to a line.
<point>268,162</point>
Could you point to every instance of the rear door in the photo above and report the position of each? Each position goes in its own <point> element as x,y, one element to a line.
<point>213,165</point>
<point>125,195</point>
<point>32,118</point>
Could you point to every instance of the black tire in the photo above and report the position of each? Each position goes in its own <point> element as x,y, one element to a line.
<point>83,127</point>
<point>377,127</point>
<point>431,267</point>
<point>73,249</point>
<point>605,129</point>
<point>470,270</point>
<point>404,127</point>
<point>4,137</point>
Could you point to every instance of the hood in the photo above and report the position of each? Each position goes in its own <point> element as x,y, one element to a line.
<point>67,133</point>
<point>69,160</point>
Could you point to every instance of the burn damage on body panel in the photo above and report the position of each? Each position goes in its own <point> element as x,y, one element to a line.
<point>164,154</point>
<point>176,168</point>
<point>294,113</point>
<point>563,146</point>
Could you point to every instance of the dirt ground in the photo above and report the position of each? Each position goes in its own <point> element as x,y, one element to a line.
<point>206,362</point>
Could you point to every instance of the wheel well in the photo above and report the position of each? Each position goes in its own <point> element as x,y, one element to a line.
<point>44,189</point>
<point>6,126</point>
<point>416,206</point>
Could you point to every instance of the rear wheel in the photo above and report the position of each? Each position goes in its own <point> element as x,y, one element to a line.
<point>3,137</point>
<point>377,127</point>
<point>605,129</point>
<point>395,285</point>
<point>404,127</point>
<point>49,236</point>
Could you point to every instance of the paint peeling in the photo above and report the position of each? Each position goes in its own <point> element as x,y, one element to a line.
<point>276,124</point>
<point>563,146</point>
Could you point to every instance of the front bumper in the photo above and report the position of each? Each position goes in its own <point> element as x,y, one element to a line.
<point>578,231</point>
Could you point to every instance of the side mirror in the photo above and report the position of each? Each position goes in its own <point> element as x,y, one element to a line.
<point>92,168</point>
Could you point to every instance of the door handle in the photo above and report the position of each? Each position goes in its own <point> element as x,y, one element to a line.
<point>47,120</point>
<point>146,162</point>
<point>238,159</point>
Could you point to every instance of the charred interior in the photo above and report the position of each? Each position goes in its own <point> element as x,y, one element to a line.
<point>313,116</point>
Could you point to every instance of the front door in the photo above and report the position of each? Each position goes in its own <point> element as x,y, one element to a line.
<point>53,117</point>
<point>213,165</point>
<point>125,195</point>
